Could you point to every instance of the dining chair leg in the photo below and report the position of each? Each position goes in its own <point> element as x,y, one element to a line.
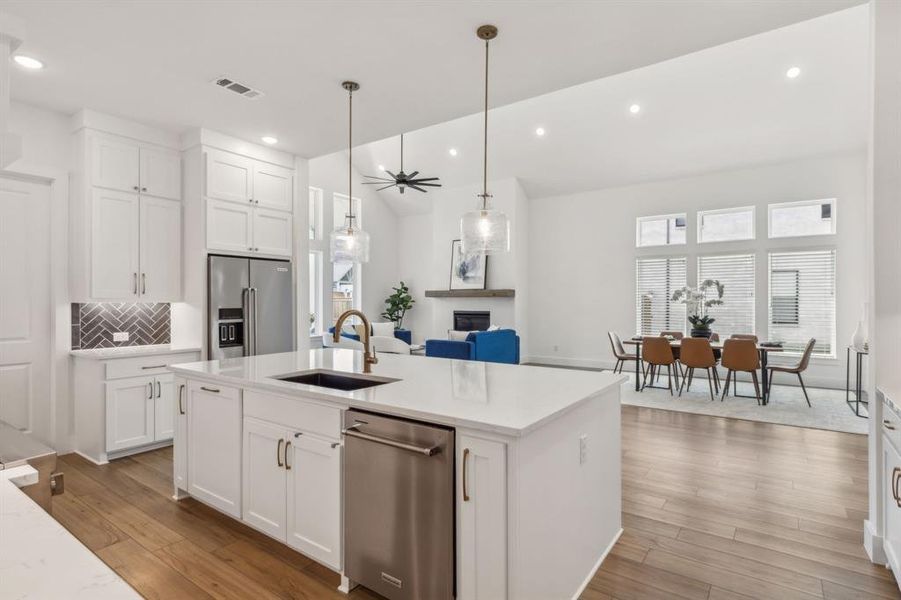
<point>756,387</point>
<point>619,363</point>
<point>769,386</point>
<point>726,387</point>
<point>804,389</point>
<point>716,380</point>
<point>710,384</point>
<point>669,378</point>
<point>681,385</point>
<point>644,379</point>
<point>691,376</point>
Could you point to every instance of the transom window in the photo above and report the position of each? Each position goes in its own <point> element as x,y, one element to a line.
<point>663,230</point>
<point>725,225</point>
<point>798,219</point>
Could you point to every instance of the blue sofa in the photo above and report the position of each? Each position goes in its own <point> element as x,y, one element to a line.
<point>500,346</point>
<point>404,335</point>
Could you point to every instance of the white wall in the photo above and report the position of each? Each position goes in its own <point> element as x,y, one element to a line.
<point>582,252</point>
<point>329,173</point>
<point>425,257</point>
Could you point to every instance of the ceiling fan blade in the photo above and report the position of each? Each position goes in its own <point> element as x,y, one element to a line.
<point>393,176</point>
<point>415,187</point>
<point>425,184</point>
<point>376,177</point>
<point>377,181</point>
<point>413,175</point>
<point>385,188</point>
<point>428,179</point>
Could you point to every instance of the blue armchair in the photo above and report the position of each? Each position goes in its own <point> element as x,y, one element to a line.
<point>501,346</point>
<point>404,335</point>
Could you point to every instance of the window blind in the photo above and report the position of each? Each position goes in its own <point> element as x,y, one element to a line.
<point>736,273</point>
<point>802,300</point>
<point>655,281</point>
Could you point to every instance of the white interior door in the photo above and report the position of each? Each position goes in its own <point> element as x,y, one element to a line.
<point>25,307</point>
<point>160,250</point>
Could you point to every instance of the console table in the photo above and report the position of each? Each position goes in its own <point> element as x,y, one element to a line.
<point>859,354</point>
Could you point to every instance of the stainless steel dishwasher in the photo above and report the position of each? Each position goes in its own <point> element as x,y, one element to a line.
<point>399,506</point>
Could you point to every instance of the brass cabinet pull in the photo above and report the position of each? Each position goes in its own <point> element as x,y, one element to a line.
<point>278,452</point>
<point>287,447</point>
<point>896,476</point>
<point>181,399</point>
<point>465,488</point>
<point>213,390</point>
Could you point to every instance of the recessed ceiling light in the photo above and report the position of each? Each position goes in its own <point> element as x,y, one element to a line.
<point>452,152</point>
<point>635,109</point>
<point>28,62</point>
<point>268,139</point>
<point>539,131</point>
<point>793,72</point>
<point>381,167</point>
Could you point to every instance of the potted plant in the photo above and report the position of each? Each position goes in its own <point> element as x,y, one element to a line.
<point>397,305</point>
<point>698,302</point>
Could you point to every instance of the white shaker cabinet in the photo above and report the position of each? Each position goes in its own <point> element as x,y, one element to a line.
<point>160,174</point>
<point>164,408</point>
<point>114,245</point>
<point>229,177</point>
<point>214,446</point>
<point>129,412</point>
<point>180,436</point>
<point>229,226</point>
<point>273,186</point>
<point>314,498</point>
<point>272,232</point>
<point>115,163</point>
<point>264,497</point>
<point>482,519</point>
<point>891,440</point>
<point>160,242</point>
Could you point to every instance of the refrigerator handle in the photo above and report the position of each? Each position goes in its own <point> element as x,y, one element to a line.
<point>255,315</point>
<point>248,319</point>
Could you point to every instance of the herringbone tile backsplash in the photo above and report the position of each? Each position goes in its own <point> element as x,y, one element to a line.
<point>93,324</point>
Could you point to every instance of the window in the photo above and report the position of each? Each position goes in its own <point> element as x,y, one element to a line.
<point>315,293</point>
<point>315,213</point>
<point>726,225</point>
<point>343,281</point>
<point>339,210</point>
<point>802,300</point>
<point>736,273</point>
<point>655,281</point>
<point>664,230</point>
<point>796,219</point>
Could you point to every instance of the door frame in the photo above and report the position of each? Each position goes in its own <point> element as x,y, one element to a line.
<point>61,424</point>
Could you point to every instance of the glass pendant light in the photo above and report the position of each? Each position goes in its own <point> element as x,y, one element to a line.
<point>485,231</point>
<point>349,243</point>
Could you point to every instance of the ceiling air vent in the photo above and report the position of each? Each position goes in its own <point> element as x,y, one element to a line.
<point>237,87</point>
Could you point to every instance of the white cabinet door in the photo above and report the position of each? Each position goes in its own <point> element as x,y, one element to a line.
<point>273,187</point>
<point>314,498</point>
<point>229,177</point>
<point>129,413</point>
<point>482,514</point>
<point>892,481</point>
<point>264,477</point>
<point>115,164</point>
<point>272,232</point>
<point>214,446</point>
<point>115,245</point>
<point>161,172</point>
<point>164,408</point>
<point>160,279</point>
<point>179,446</point>
<point>229,226</point>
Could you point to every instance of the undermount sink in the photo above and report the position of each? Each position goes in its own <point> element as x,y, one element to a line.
<point>335,380</point>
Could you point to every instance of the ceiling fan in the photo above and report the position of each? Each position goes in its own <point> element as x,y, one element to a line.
<point>402,180</point>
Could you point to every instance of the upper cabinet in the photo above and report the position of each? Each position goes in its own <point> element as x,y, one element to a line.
<point>229,177</point>
<point>273,187</point>
<point>126,221</point>
<point>128,166</point>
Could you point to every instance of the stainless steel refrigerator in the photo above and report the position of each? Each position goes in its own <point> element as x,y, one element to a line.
<point>251,306</point>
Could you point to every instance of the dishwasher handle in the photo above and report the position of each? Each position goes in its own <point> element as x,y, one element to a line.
<point>424,450</point>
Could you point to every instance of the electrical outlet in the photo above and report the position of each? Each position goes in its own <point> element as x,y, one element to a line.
<point>120,336</point>
<point>583,449</point>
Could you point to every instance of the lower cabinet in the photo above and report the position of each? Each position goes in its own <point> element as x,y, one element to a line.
<point>292,488</point>
<point>482,518</point>
<point>139,411</point>
<point>214,445</point>
<point>892,481</point>
<point>179,448</point>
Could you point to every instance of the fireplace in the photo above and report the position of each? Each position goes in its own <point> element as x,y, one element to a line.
<point>472,320</point>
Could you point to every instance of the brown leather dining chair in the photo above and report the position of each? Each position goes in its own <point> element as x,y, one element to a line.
<point>797,369</point>
<point>620,352</point>
<point>740,355</point>
<point>657,352</point>
<point>697,354</point>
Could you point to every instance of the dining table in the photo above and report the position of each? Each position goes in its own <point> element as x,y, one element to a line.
<point>763,349</point>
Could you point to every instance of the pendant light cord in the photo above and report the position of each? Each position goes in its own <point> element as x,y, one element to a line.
<point>350,139</point>
<point>485,137</point>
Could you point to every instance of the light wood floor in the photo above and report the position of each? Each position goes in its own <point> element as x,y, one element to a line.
<point>713,509</point>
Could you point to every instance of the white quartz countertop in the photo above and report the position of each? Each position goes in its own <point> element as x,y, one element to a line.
<point>130,351</point>
<point>40,559</point>
<point>507,399</point>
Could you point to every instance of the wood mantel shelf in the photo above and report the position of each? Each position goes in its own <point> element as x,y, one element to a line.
<point>470,293</point>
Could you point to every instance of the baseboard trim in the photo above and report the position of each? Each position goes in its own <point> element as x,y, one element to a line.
<point>873,544</point>
<point>598,564</point>
<point>90,459</point>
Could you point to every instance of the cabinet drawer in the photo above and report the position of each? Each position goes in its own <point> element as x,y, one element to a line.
<point>117,368</point>
<point>294,413</point>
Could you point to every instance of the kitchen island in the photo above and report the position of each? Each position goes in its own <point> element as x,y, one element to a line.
<point>536,489</point>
